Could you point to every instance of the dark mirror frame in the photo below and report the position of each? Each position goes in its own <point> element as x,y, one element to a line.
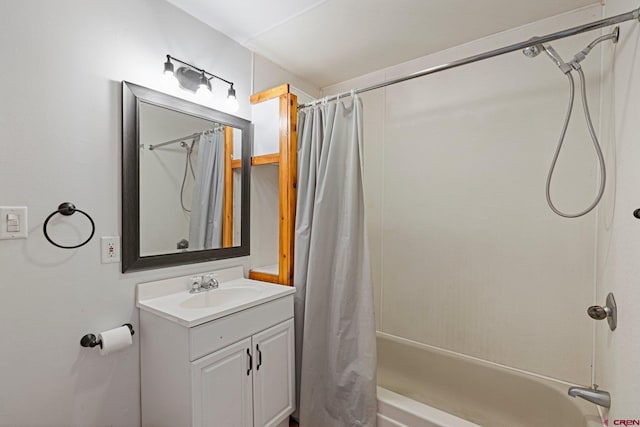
<point>132,96</point>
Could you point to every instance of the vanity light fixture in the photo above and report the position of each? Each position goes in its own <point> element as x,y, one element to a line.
<point>232,102</point>
<point>168,67</point>
<point>197,80</point>
<point>169,76</point>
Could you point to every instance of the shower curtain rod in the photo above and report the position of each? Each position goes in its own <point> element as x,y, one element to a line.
<point>633,15</point>
<point>154,146</point>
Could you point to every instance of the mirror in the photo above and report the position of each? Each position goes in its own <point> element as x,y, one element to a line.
<point>185,180</point>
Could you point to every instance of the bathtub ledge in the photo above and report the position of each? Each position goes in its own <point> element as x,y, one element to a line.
<point>396,410</point>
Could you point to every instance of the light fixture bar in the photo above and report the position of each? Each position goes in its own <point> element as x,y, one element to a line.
<point>202,70</point>
<point>197,80</point>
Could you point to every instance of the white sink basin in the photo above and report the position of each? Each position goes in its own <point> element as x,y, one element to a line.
<point>221,296</point>
<point>171,299</point>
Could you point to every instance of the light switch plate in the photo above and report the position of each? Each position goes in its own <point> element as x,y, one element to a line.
<point>16,212</point>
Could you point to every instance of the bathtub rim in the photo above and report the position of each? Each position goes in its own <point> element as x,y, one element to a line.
<point>589,410</point>
<point>418,409</point>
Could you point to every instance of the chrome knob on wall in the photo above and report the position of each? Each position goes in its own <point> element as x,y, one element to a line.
<point>597,312</point>
<point>609,311</point>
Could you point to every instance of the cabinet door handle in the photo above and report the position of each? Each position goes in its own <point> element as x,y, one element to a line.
<point>250,362</point>
<point>259,357</point>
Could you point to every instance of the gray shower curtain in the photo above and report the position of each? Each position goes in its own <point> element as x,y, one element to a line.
<point>205,226</point>
<point>335,326</point>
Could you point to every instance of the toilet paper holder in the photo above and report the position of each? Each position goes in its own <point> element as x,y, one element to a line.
<point>90,340</point>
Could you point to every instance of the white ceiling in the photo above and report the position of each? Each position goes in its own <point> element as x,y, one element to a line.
<point>328,41</point>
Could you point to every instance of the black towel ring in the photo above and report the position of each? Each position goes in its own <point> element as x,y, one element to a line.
<point>68,209</point>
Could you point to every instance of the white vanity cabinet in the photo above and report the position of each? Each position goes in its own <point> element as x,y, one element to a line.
<point>234,368</point>
<point>246,384</point>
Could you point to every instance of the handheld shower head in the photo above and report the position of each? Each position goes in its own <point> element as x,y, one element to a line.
<point>555,56</point>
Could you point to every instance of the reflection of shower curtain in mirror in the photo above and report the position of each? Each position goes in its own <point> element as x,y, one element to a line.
<point>205,227</point>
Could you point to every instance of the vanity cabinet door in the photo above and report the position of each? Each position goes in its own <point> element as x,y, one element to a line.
<point>222,387</point>
<point>273,375</point>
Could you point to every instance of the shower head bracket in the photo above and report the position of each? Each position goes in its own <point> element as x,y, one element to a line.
<point>616,35</point>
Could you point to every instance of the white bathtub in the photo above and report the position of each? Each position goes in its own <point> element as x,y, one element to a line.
<point>420,386</point>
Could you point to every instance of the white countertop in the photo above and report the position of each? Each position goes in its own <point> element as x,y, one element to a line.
<point>171,299</point>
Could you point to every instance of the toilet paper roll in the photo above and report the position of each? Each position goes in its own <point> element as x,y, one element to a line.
<point>114,339</point>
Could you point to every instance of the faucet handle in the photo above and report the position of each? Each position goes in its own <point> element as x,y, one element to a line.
<point>210,281</point>
<point>609,311</point>
<point>195,285</point>
<point>597,312</point>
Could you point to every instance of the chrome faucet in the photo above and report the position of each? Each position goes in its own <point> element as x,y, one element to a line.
<point>593,395</point>
<point>203,283</point>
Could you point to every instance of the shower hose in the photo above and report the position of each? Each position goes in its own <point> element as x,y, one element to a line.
<point>596,146</point>
<point>187,165</point>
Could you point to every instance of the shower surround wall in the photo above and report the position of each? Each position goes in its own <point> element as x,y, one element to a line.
<point>467,256</point>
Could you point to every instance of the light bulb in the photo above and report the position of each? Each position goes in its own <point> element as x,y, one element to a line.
<point>203,88</point>
<point>202,92</point>
<point>231,104</point>
<point>170,79</point>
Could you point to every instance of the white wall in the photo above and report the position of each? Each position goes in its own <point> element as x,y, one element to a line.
<point>268,74</point>
<point>467,256</point>
<point>60,127</point>
<point>617,368</point>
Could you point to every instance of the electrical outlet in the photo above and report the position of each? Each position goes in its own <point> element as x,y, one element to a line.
<point>110,249</point>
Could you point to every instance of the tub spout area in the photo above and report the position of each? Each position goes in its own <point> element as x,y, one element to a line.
<point>593,395</point>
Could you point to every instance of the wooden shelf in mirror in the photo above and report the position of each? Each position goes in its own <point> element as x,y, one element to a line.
<point>266,159</point>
